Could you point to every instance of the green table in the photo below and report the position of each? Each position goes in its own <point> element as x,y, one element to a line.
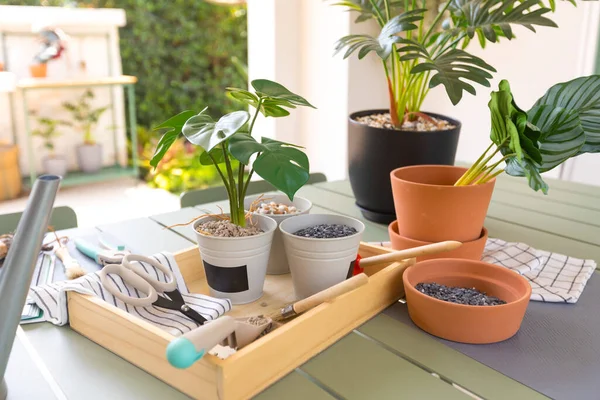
<point>382,359</point>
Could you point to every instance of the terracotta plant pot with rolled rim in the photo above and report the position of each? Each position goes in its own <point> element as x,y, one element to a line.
<point>430,208</point>
<point>465,323</point>
<point>472,250</point>
<point>38,70</point>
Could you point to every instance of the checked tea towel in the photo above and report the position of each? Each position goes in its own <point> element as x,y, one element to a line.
<point>52,299</point>
<point>554,278</point>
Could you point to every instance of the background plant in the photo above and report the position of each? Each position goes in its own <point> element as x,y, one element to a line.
<point>283,165</point>
<point>86,117</point>
<point>564,123</point>
<point>418,55</point>
<point>47,130</point>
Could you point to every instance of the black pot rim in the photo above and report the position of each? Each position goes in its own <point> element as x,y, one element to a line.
<point>457,124</point>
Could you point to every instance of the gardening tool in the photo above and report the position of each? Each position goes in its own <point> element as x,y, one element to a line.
<point>328,294</point>
<point>236,333</point>
<point>160,294</point>
<point>362,263</point>
<point>104,254</point>
<point>72,268</point>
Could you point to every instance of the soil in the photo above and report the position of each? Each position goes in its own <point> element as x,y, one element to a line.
<point>420,124</point>
<point>257,320</point>
<point>225,228</point>
<point>326,231</point>
<point>458,295</point>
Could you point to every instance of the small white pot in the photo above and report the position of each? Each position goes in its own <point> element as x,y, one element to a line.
<point>278,263</point>
<point>235,267</point>
<point>317,264</point>
<point>56,165</point>
<point>89,157</point>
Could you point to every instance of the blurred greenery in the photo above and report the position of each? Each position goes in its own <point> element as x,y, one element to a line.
<point>184,53</point>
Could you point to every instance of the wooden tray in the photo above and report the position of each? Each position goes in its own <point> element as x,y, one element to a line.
<point>258,365</point>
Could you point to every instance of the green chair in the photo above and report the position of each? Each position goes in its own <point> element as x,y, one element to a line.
<point>63,217</point>
<point>217,193</point>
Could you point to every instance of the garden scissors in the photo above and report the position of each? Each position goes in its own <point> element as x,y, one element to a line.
<point>159,294</point>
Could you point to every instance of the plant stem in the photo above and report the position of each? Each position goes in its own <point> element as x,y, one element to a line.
<point>247,182</point>
<point>378,14</point>
<point>225,183</point>
<point>234,212</point>
<point>260,101</point>
<point>435,21</point>
<point>455,41</point>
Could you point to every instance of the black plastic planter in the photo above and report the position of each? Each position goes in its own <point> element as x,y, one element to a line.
<point>374,152</point>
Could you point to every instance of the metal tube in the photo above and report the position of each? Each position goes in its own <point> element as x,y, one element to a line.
<point>16,274</point>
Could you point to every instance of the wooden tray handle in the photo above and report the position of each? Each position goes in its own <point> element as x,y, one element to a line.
<point>410,253</point>
<point>331,293</point>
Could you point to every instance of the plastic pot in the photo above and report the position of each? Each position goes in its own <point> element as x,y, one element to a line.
<point>464,323</point>
<point>89,157</point>
<point>278,263</point>
<point>430,209</point>
<point>235,267</point>
<point>472,250</point>
<point>374,152</point>
<point>317,264</point>
<point>56,165</point>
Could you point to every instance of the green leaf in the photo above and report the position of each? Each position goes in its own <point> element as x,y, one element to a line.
<point>177,121</point>
<point>581,95</point>
<point>163,146</point>
<point>562,134</point>
<point>216,153</point>
<point>243,96</point>
<point>281,164</point>
<point>201,130</point>
<point>275,91</point>
<point>529,170</point>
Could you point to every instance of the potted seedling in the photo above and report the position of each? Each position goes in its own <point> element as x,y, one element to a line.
<point>89,154</point>
<point>235,246</point>
<point>421,45</point>
<point>445,202</point>
<point>54,164</point>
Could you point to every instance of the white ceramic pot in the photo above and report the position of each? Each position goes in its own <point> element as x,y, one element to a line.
<point>317,264</point>
<point>56,165</point>
<point>89,157</point>
<point>235,267</point>
<point>278,263</point>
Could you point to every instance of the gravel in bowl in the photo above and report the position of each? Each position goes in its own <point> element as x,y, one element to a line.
<point>326,231</point>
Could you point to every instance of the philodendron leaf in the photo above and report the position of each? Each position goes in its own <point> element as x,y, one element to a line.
<point>217,155</point>
<point>581,95</point>
<point>201,130</point>
<point>177,121</point>
<point>528,169</point>
<point>175,124</point>
<point>281,164</point>
<point>561,137</point>
<point>275,91</point>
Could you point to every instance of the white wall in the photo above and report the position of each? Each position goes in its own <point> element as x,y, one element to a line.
<point>302,33</point>
<point>102,27</point>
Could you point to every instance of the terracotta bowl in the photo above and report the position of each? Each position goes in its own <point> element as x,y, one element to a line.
<point>472,250</point>
<point>463,323</point>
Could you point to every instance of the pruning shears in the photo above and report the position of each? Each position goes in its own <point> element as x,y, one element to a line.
<point>104,254</point>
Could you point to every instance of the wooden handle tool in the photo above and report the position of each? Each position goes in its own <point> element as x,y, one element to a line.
<point>325,295</point>
<point>409,253</point>
<point>72,268</point>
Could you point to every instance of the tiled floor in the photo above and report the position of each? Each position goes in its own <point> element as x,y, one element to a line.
<point>107,202</point>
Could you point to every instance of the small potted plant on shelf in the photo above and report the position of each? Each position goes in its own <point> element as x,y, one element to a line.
<point>54,164</point>
<point>52,45</point>
<point>446,202</point>
<point>421,46</point>
<point>89,154</point>
<point>235,246</point>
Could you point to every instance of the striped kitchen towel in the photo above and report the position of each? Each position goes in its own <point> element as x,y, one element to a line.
<point>52,299</point>
<point>554,278</point>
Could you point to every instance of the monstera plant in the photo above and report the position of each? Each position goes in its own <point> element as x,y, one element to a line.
<point>283,165</point>
<point>564,123</point>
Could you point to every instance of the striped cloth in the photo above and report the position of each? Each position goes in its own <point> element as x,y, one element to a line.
<point>52,299</point>
<point>554,278</point>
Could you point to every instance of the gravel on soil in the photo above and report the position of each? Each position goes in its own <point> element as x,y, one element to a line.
<point>458,295</point>
<point>420,124</point>
<point>326,231</point>
<point>225,228</point>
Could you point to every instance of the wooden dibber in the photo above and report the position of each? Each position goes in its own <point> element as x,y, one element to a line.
<point>408,253</point>
<point>325,295</point>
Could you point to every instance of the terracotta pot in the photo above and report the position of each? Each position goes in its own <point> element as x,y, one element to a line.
<point>374,152</point>
<point>429,208</point>
<point>38,70</point>
<point>463,323</point>
<point>472,250</point>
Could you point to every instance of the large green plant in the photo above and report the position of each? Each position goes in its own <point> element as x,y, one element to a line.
<point>283,165</point>
<point>421,46</point>
<point>564,123</point>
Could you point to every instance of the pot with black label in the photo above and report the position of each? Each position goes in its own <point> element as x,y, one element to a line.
<point>235,267</point>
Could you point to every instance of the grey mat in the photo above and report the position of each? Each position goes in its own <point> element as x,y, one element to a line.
<point>556,351</point>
